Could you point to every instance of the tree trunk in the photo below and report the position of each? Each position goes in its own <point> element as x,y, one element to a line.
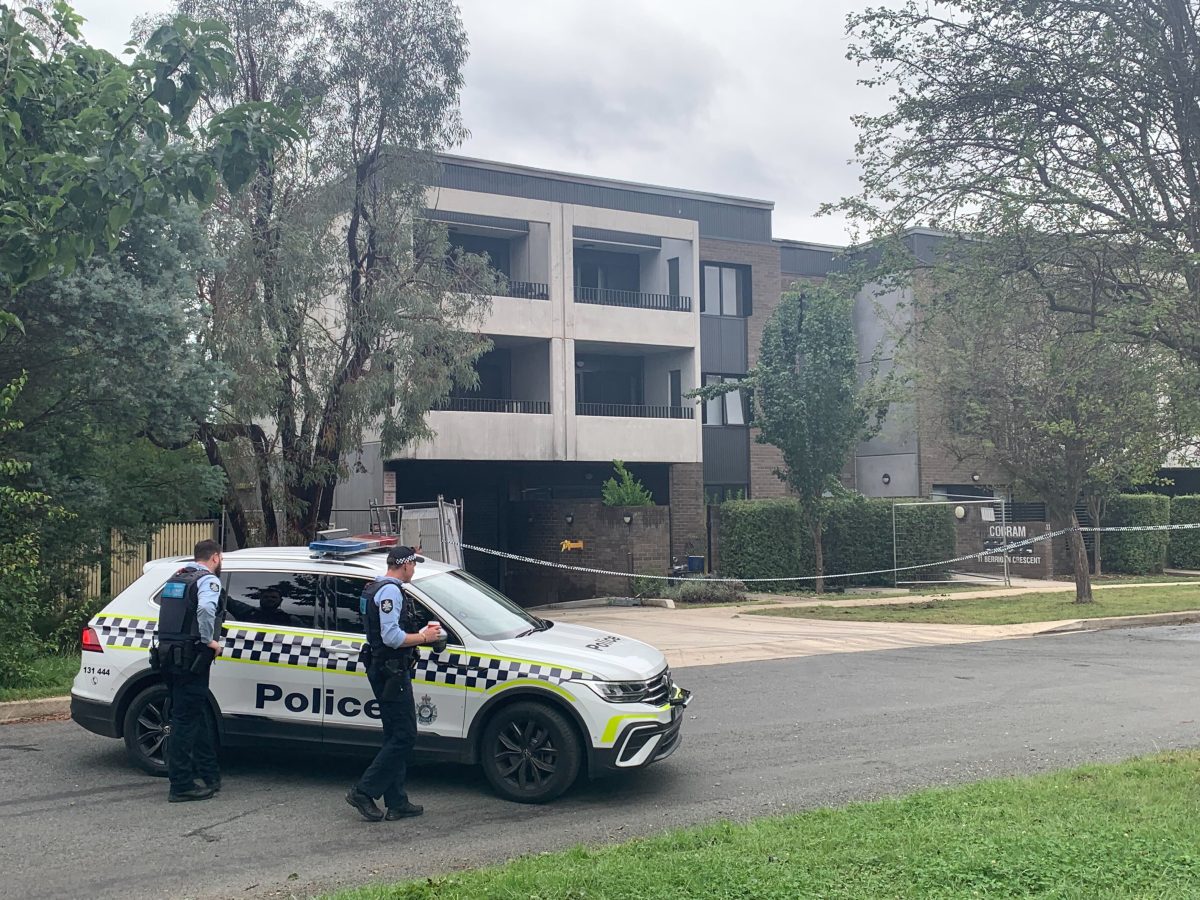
<point>1095,511</point>
<point>818,553</point>
<point>1079,562</point>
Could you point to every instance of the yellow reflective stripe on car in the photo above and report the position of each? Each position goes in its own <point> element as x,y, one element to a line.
<point>614,725</point>
<point>534,682</point>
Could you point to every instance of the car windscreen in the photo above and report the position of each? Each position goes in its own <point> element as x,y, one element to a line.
<point>482,609</point>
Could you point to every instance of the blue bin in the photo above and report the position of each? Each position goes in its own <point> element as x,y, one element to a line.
<point>695,563</point>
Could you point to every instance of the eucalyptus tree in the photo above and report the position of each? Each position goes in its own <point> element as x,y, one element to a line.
<point>335,317</point>
<point>1064,132</point>
<point>1066,410</point>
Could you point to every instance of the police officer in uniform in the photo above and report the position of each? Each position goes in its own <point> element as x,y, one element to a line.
<point>392,635</point>
<point>187,645</point>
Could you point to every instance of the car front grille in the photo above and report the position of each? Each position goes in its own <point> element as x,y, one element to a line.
<point>659,688</point>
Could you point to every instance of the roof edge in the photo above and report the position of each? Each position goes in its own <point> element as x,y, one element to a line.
<point>597,181</point>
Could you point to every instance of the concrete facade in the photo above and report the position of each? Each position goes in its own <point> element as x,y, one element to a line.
<point>617,305</point>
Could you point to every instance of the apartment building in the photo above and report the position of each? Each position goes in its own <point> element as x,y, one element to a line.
<point>619,299</point>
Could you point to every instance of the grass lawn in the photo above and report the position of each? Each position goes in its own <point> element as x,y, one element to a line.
<point>1132,579</point>
<point>878,593</point>
<point>1122,831</point>
<point>1012,610</point>
<point>52,677</point>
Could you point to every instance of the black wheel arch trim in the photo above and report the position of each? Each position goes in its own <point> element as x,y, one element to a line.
<point>135,685</point>
<point>529,692</point>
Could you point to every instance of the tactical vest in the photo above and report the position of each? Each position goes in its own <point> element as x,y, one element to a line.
<point>179,601</point>
<point>379,650</point>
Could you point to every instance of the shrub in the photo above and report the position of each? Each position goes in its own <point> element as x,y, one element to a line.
<point>648,587</point>
<point>702,590</point>
<point>1135,552</point>
<point>765,538</point>
<point>624,490</point>
<point>1183,546</point>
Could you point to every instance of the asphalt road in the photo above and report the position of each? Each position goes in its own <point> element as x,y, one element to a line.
<point>762,738</point>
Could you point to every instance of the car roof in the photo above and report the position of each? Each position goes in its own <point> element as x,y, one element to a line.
<point>370,563</point>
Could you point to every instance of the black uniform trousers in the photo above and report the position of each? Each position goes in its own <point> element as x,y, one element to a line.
<point>190,752</point>
<point>385,776</point>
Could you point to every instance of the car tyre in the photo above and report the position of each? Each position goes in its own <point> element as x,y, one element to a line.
<point>146,729</point>
<point>530,752</point>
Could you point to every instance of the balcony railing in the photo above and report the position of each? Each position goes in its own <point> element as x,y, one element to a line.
<point>525,290</point>
<point>489,404</point>
<point>634,299</point>
<point>634,411</point>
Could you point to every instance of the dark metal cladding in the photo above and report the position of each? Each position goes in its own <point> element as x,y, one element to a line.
<point>726,455</point>
<point>731,220</point>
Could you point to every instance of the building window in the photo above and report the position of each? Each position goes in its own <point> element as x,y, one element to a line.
<point>725,290</point>
<point>673,276</point>
<point>719,493</point>
<point>729,409</point>
<point>676,387</point>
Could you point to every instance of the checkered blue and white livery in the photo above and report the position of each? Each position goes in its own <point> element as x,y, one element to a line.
<point>469,670</point>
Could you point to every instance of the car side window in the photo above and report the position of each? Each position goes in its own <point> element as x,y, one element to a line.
<point>278,599</point>
<point>347,592</point>
<point>348,618</point>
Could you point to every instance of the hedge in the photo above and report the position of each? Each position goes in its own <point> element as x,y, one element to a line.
<point>1183,549</point>
<point>770,538</point>
<point>1135,552</point>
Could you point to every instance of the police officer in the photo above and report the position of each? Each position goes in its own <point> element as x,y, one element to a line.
<point>392,633</point>
<point>187,646</point>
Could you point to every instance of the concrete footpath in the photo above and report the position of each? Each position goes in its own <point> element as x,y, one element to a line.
<point>726,634</point>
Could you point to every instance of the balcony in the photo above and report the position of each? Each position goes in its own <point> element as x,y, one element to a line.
<point>494,405</point>
<point>634,411</point>
<point>631,299</point>
<point>632,271</point>
<point>524,290</point>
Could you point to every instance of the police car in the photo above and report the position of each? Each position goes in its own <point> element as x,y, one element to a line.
<point>534,702</point>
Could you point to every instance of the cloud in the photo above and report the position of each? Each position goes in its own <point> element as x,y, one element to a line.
<point>751,98</point>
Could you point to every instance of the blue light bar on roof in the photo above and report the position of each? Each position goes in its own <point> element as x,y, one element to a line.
<point>351,546</point>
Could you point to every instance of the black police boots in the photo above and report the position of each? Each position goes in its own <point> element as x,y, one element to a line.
<point>364,804</point>
<point>195,792</point>
<point>407,811</point>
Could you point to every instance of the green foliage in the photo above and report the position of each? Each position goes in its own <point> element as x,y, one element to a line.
<point>89,141</point>
<point>1056,127</point>
<point>648,587</point>
<point>704,590</point>
<point>624,489</point>
<point>1136,552</point>
<point>1183,549</point>
<point>22,513</point>
<point>807,393</point>
<point>114,377</point>
<point>334,310</point>
<point>770,538</point>
<point>1121,832</point>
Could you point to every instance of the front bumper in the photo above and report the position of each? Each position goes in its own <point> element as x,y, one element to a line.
<point>95,716</point>
<point>641,743</point>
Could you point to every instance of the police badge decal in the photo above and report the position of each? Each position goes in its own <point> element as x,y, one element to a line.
<point>426,711</point>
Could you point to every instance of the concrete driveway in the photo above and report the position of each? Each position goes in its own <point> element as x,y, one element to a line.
<point>724,634</point>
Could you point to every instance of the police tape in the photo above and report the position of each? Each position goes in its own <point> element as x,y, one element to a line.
<point>1005,548</point>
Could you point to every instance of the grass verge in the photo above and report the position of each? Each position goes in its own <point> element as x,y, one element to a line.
<point>52,677</point>
<point>1135,601</point>
<point>1119,831</point>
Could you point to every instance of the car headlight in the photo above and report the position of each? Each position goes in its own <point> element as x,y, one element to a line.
<point>620,691</point>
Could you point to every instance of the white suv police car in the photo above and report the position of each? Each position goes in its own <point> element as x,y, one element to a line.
<point>507,682</point>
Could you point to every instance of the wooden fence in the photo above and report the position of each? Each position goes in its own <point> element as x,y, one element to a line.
<point>126,558</point>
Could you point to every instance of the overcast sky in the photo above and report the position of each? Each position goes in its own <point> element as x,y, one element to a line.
<point>751,98</point>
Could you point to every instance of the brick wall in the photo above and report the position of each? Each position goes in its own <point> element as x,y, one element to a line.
<point>688,526</point>
<point>763,260</point>
<point>537,529</point>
